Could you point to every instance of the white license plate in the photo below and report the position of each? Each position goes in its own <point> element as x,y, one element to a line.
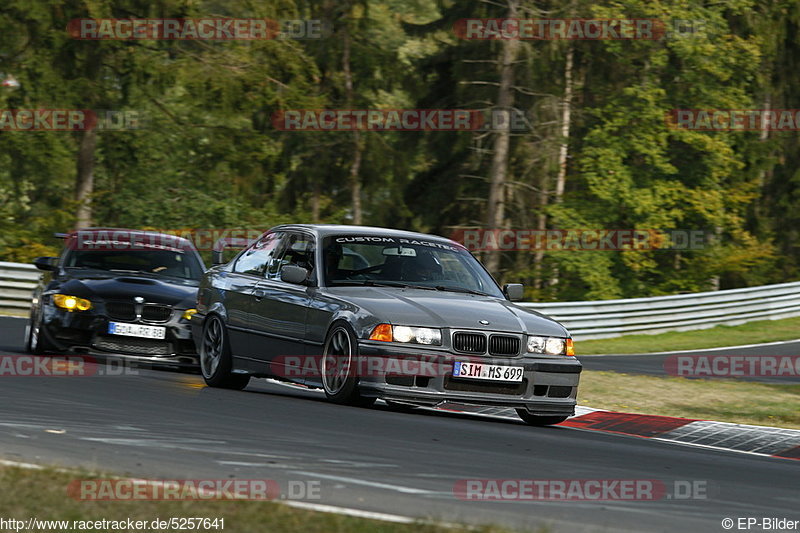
<point>487,372</point>
<point>137,330</point>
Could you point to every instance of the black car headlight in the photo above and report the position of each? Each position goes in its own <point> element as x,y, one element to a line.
<point>550,345</point>
<point>71,303</point>
<point>406,334</point>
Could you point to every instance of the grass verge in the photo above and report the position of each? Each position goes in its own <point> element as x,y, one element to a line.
<point>750,333</point>
<point>17,313</point>
<point>43,494</point>
<point>741,402</point>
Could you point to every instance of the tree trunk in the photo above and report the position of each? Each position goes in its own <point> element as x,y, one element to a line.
<point>315,203</point>
<point>566,114</point>
<point>563,149</point>
<point>355,165</point>
<point>84,185</point>
<point>498,173</point>
<point>541,226</point>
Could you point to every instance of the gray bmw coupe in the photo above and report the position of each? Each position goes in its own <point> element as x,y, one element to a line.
<point>367,313</point>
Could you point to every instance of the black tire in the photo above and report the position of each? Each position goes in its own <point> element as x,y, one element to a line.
<point>215,357</point>
<point>338,381</point>
<point>36,341</point>
<point>536,420</point>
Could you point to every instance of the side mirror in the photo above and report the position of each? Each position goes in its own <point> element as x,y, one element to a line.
<point>217,258</point>
<point>514,291</point>
<point>294,274</point>
<point>46,263</point>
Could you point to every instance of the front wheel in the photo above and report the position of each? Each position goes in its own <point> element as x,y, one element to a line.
<point>35,340</point>
<point>339,379</point>
<point>216,361</point>
<point>536,420</point>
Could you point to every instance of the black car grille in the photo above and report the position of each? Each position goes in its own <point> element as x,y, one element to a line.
<point>469,342</point>
<point>559,391</point>
<point>121,310</point>
<point>516,389</point>
<point>127,311</point>
<point>156,313</point>
<point>503,345</point>
<point>133,346</point>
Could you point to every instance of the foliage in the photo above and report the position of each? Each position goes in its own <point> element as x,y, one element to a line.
<point>208,155</point>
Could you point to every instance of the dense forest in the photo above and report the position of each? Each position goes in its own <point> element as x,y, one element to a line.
<point>596,150</point>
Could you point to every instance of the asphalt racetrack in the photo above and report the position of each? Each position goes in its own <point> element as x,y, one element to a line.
<point>656,364</point>
<point>168,425</point>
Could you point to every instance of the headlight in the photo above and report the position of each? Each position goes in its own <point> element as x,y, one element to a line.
<point>548,345</point>
<point>188,314</point>
<point>71,303</point>
<point>406,334</point>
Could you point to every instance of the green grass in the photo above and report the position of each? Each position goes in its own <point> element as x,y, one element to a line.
<point>750,333</point>
<point>741,402</point>
<point>43,494</point>
<point>15,312</point>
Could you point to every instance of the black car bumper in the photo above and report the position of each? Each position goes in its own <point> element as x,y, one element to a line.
<point>88,333</point>
<point>549,383</point>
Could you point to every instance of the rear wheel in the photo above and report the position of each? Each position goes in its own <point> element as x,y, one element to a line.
<point>536,420</point>
<point>338,368</point>
<point>216,361</point>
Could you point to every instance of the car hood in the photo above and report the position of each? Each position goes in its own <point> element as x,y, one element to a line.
<point>417,307</point>
<point>118,286</point>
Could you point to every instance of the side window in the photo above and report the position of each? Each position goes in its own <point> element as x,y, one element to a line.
<point>295,249</point>
<point>255,259</point>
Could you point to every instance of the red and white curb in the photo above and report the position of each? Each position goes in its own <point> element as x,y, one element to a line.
<point>758,440</point>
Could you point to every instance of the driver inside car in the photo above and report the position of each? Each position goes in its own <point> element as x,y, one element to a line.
<point>424,267</point>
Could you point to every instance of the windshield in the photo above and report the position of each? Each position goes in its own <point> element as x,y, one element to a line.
<point>159,262</point>
<point>367,260</point>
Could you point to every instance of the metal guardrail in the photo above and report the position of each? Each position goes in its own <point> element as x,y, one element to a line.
<point>17,281</point>
<point>680,312</point>
<point>585,320</point>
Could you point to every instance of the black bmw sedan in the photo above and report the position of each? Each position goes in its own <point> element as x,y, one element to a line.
<point>118,292</point>
<point>367,313</point>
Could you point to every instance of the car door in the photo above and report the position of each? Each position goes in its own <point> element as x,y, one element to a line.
<point>248,269</point>
<point>279,308</point>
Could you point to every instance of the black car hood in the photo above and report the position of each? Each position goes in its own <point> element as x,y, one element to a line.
<point>418,307</point>
<point>123,286</point>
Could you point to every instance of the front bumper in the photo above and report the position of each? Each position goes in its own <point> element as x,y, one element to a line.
<point>87,333</point>
<point>548,388</point>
